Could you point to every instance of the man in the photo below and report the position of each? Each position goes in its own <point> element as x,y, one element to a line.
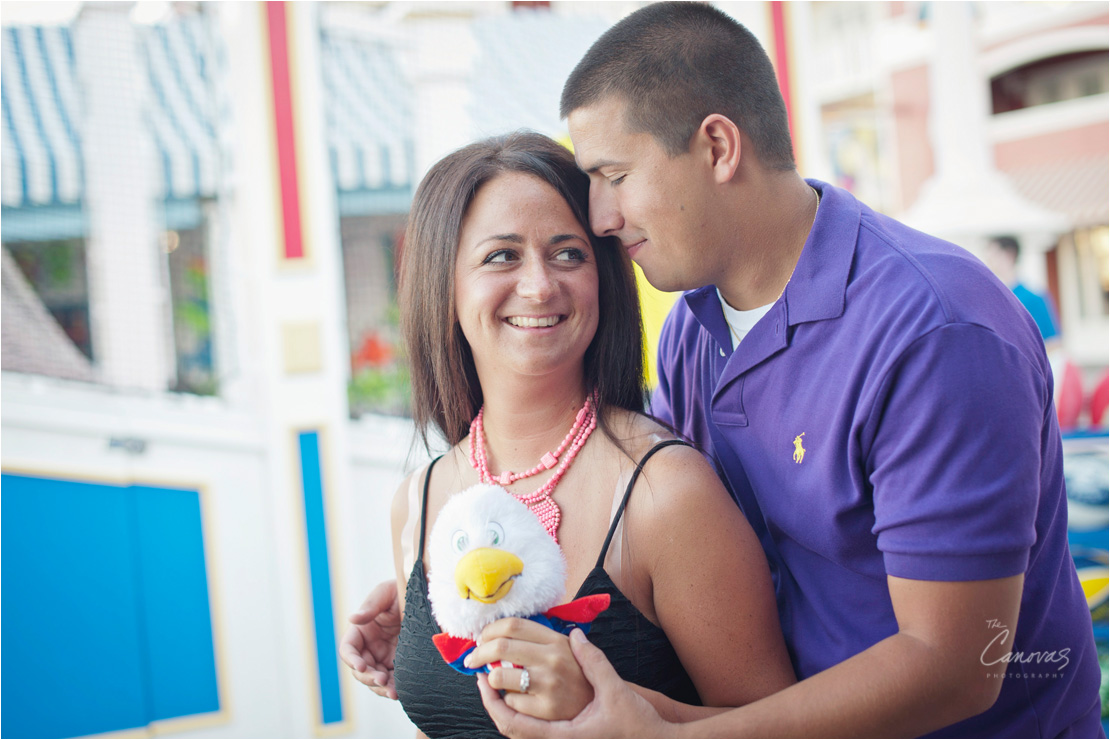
<point>1002,257</point>
<point>875,399</point>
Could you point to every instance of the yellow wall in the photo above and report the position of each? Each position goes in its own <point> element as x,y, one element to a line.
<point>655,305</point>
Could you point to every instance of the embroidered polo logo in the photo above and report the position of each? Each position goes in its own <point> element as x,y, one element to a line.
<point>799,451</point>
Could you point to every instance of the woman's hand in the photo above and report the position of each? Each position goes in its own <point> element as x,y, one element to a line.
<point>557,689</point>
<point>617,711</point>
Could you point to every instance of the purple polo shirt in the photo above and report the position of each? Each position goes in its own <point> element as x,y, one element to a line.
<point>892,415</point>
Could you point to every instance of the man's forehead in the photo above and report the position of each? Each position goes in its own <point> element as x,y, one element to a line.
<point>599,134</point>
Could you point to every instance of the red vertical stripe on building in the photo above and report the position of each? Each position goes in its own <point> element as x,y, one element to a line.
<point>782,59</point>
<point>284,130</point>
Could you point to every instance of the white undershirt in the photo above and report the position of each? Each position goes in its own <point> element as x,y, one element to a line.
<point>741,322</point>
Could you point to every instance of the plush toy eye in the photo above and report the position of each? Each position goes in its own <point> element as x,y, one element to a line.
<point>495,534</point>
<point>459,540</point>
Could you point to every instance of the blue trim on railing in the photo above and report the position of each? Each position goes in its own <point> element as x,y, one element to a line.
<point>327,661</point>
<point>1094,433</point>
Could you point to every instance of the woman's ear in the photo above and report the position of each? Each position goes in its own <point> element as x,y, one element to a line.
<point>721,143</point>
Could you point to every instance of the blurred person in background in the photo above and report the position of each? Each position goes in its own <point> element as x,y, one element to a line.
<point>1002,257</point>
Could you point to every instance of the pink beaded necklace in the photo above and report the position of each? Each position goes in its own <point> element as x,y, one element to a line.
<point>539,501</point>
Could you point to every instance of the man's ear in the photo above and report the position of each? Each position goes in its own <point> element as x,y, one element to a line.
<point>721,144</point>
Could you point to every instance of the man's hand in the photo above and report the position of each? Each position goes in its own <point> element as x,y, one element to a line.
<point>616,711</point>
<point>371,640</point>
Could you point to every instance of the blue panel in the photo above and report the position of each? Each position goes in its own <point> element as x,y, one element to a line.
<point>71,640</point>
<point>106,622</point>
<point>327,662</point>
<point>175,605</point>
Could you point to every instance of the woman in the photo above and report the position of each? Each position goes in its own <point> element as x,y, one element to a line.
<point>520,326</point>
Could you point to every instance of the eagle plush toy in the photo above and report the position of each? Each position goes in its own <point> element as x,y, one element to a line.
<point>492,559</point>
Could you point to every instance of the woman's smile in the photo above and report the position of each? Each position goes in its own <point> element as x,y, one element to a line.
<point>534,322</point>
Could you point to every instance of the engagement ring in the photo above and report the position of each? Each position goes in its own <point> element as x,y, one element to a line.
<point>524,680</point>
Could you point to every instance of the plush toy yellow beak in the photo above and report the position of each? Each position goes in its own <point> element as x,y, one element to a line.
<point>486,574</point>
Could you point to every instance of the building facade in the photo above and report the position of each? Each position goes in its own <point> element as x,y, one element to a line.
<point>204,397</point>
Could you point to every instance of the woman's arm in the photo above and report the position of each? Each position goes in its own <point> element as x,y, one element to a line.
<point>711,586</point>
<point>398,517</point>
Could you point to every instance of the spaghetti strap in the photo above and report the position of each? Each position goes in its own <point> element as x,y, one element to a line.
<point>627,493</point>
<point>424,509</point>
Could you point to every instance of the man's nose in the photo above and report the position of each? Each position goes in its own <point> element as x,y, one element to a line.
<point>605,216</point>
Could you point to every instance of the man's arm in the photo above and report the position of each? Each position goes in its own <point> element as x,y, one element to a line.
<point>670,710</point>
<point>945,664</point>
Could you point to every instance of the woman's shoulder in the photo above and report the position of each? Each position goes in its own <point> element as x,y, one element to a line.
<point>410,492</point>
<point>403,499</point>
<point>675,475</point>
<point>638,434</point>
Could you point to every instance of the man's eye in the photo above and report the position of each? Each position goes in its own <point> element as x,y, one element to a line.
<point>617,180</point>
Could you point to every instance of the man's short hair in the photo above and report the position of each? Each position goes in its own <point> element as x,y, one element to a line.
<point>673,64</point>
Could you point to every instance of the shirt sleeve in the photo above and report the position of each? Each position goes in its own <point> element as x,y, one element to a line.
<point>955,461</point>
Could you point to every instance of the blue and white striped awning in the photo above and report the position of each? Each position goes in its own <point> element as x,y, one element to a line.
<point>41,145</point>
<point>43,112</point>
<point>369,117</point>
<point>183,59</point>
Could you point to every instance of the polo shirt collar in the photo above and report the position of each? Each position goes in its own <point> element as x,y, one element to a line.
<point>819,285</point>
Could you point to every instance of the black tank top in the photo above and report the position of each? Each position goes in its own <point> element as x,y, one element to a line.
<point>442,702</point>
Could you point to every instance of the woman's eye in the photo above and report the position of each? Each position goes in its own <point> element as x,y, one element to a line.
<point>459,540</point>
<point>571,255</point>
<point>495,534</point>
<point>501,255</point>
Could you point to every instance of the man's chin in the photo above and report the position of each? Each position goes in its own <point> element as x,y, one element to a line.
<point>664,283</point>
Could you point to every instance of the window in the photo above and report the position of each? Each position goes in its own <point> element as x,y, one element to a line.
<point>188,268</point>
<point>379,373</point>
<point>56,271</point>
<point>86,206</point>
<point>1051,80</point>
<point>1092,271</point>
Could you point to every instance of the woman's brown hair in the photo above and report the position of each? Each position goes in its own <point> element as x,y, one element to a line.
<point>445,389</point>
